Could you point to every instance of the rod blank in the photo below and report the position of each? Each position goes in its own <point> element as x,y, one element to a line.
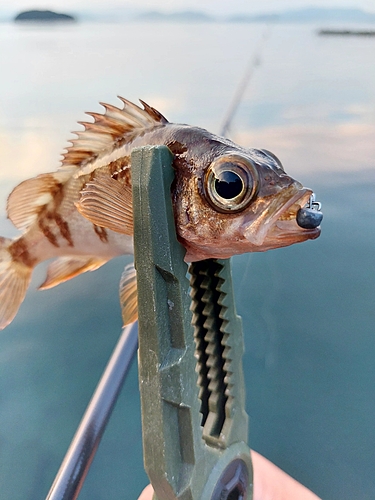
<point>81,452</point>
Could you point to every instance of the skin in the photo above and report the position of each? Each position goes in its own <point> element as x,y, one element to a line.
<point>270,483</point>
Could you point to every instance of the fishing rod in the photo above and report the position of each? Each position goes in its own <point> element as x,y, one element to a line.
<point>253,63</point>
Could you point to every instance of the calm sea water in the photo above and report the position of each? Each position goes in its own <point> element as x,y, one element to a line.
<point>308,310</point>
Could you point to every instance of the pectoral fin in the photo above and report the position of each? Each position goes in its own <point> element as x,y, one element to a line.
<point>65,268</point>
<point>107,202</point>
<point>128,295</point>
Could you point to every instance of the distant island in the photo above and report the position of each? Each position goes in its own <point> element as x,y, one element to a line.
<point>308,15</point>
<point>183,16</point>
<point>293,16</point>
<point>347,32</point>
<point>42,15</point>
<point>258,18</point>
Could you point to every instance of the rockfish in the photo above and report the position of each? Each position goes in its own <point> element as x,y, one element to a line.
<point>227,200</point>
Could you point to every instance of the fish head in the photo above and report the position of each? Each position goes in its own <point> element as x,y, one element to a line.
<point>233,200</point>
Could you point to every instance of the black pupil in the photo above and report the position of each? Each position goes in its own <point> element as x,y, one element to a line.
<point>228,184</point>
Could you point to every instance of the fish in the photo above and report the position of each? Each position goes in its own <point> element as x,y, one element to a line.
<point>227,200</point>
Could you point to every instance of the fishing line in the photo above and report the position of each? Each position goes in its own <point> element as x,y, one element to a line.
<point>254,61</point>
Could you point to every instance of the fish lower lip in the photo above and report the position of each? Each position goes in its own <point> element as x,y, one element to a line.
<point>287,230</point>
<point>312,233</point>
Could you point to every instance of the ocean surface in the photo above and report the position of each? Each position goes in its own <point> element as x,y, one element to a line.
<point>308,310</point>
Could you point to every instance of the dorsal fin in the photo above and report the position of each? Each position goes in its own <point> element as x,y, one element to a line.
<point>107,129</point>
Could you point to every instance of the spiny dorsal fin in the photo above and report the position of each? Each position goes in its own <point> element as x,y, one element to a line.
<point>128,295</point>
<point>66,268</point>
<point>28,198</point>
<point>107,202</point>
<point>107,129</point>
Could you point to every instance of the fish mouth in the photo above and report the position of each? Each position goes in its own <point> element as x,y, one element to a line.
<point>278,225</point>
<point>286,221</point>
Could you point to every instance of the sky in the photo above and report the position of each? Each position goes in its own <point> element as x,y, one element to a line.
<point>210,6</point>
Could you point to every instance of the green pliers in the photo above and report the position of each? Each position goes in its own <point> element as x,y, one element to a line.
<point>195,428</point>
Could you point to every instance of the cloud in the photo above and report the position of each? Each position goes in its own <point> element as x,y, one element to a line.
<point>324,148</point>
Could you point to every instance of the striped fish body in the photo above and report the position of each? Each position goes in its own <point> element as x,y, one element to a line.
<point>227,200</point>
<point>44,207</point>
<point>54,227</point>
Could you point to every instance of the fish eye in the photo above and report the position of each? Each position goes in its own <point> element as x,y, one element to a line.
<point>230,184</point>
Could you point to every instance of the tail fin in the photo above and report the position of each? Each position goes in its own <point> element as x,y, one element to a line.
<point>14,280</point>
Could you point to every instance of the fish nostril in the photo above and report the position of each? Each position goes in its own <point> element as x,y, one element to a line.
<point>309,218</point>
